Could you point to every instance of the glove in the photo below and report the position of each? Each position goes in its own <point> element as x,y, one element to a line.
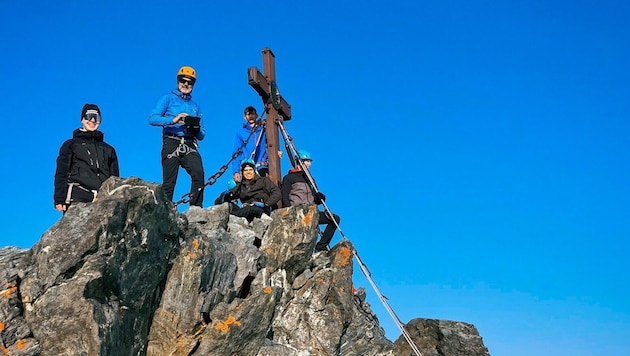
<point>259,204</point>
<point>319,197</point>
<point>229,196</point>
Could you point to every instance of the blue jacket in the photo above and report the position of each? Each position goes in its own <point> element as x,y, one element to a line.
<point>171,105</point>
<point>256,142</point>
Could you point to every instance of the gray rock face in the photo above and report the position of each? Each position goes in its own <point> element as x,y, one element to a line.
<point>128,275</point>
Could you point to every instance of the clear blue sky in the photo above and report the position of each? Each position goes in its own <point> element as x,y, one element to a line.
<point>477,151</point>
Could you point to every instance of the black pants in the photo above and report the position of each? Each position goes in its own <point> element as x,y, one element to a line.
<point>329,231</point>
<point>186,155</point>
<point>248,212</point>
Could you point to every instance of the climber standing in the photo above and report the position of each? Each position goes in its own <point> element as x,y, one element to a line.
<point>257,194</point>
<point>85,161</point>
<point>296,190</point>
<point>182,128</point>
<point>256,148</point>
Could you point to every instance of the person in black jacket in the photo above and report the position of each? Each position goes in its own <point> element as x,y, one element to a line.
<point>297,190</point>
<point>85,161</point>
<point>257,194</point>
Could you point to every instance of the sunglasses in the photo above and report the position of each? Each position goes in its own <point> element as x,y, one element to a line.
<point>93,117</point>
<point>187,81</point>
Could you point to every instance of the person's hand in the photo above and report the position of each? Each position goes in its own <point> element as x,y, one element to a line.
<point>61,207</point>
<point>279,154</point>
<point>237,177</point>
<point>179,117</point>
<point>319,197</point>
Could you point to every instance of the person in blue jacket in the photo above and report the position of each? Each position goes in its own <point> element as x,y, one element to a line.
<point>256,148</point>
<point>85,161</point>
<point>182,128</point>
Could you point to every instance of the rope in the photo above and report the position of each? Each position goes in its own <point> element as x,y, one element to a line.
<point>362,265</point>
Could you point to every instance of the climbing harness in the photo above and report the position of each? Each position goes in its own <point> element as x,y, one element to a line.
<point>183,148</point>
<point>293,152</point>
<point>71,187</point>
<point>213,178</point>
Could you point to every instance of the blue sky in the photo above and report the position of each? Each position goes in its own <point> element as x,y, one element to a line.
<point>476,152</point>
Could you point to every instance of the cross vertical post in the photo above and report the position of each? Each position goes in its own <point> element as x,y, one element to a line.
<point>275,107</point>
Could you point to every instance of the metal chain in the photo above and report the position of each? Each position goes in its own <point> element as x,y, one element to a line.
<point>213,178</point>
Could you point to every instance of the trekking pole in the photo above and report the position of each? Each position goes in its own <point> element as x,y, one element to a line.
<point>362,265</point>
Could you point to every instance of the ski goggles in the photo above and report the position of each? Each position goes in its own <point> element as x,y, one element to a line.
<point>94,117</point>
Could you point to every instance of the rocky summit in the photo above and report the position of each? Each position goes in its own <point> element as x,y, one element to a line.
<point>129,275</point>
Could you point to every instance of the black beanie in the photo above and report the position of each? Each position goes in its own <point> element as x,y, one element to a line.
<point>87,107</point>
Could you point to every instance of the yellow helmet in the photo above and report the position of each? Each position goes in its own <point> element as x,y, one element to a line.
<point>187,71</point>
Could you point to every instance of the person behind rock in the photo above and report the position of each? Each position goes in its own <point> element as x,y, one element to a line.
<point>256,148</point>
<point>297,190</point>
<point>182,128</point>
<point>85,161</point>
<point>257,194</point>
<point>228,196</point>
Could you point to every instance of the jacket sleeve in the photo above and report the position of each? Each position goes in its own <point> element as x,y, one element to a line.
<point>62,172</point>
<point>202,131</point>
<point>286,191</point>
<point>274,192</point>
<point>159,116</point>
<point>113,164</point>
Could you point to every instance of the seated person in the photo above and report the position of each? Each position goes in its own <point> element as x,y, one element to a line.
<point>297,190</point>
<point>257,194</point>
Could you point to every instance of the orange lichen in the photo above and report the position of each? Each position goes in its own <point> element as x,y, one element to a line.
<point>224,326</point>
<point>343,257</point>
<point>191,255</point>
<point>11,288</point>
<point>267,290</point>
<point>1,326</point>
<point>284,213</point>
<point>308,218</point>
<point>4,349</point>
<point>167,315</point>
<point>341,289</point>
<point>20,344</point>
<point>195,244</point>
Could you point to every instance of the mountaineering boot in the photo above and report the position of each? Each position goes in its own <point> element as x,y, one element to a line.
<point>321,248</point>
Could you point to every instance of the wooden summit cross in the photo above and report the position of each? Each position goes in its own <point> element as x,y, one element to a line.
<point>265,86</point>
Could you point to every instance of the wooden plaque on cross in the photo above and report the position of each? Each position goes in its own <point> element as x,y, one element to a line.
<point>265,86</point>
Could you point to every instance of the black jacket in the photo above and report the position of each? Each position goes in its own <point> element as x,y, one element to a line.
<point>84,159</point>
<point>258,189</point>
<point>296,190</point>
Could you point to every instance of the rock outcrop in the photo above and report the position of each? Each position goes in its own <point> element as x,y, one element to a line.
<point>129,275</point>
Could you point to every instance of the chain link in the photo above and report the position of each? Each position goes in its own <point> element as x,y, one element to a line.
<point>213,178</point>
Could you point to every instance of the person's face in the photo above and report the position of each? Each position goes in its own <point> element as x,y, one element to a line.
<point>91,122</point>
<point>185,84</point>
<point>251,117</point>
<point>307,163</point>
<point>248,172</point>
